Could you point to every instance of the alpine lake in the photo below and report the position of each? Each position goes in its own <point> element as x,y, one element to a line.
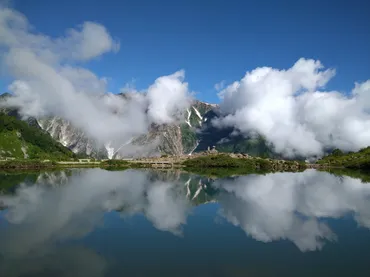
<point>141,222</point>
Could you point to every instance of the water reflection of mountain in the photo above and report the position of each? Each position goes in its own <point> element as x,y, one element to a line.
<point>9,181</point>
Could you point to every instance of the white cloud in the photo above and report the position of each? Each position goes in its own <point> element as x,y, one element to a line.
<point>287,108</point>
<point>49,80</point>
<point>168,96</point>
<point>86,42</point>
<point>92,40</point>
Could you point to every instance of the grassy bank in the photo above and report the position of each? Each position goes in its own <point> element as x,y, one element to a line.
<point>219,162</point>
<point>224,161</point>
<point>38,164</point>
<point>352,160</point>
<point>120,164</point>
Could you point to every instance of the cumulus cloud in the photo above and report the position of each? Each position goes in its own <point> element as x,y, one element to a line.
<point>293,112</point>
<point>293,206</point>
<point>168,96</point>
<point>49,80</point>
<point>89,41</point>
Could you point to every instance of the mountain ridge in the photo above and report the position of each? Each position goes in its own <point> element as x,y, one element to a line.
<point>193,133</point>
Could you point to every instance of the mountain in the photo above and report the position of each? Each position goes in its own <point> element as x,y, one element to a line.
<point>229,140</point>
<point>171,139</point>
<point>195,133</point>
<point>24,139</point>
<point>20,140</point>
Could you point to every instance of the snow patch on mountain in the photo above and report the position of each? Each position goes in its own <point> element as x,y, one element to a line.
<point>195,147</point>
<point>188,118</point>
<point>198,113</point>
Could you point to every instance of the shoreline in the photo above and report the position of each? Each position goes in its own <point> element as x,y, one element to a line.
<point>210,161</point>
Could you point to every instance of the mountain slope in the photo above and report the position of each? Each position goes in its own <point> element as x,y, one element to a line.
<point>74,139</point>
<point>172,139</point>
<point>22,141</point>
<point>229,140</point>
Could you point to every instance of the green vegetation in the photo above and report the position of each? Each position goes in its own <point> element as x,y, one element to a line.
<point>10,144</point>
<point>21,141</point>
<point>188,137</point>
<point>222,161</point>
<point>120,164</point>
<point>219,161</point>
<point>115,164</point>
<point>355,160</point>
<point>202,108</point>
<point>253,146</point>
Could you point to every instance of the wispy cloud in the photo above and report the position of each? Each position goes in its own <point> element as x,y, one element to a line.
<point>219,86</point>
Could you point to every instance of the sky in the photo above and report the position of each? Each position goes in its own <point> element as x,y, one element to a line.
<point>213,41</point>
<point>274,68</point>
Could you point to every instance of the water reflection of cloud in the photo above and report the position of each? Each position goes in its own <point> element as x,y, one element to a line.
<point>41,215</point>
<point>167,207</point>
<point>293,206</point>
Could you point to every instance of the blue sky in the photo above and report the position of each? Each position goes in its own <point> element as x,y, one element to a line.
<point>215,40</point>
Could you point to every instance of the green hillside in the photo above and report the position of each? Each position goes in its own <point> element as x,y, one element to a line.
<point>22,141</point>
<point>357,160</point>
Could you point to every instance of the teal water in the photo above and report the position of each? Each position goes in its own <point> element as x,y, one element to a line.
<point>92,222</point>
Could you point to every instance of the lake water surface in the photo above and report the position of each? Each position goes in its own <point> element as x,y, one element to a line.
<point>93,222</point>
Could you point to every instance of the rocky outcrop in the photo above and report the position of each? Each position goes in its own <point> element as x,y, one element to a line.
<point>71,137</point>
